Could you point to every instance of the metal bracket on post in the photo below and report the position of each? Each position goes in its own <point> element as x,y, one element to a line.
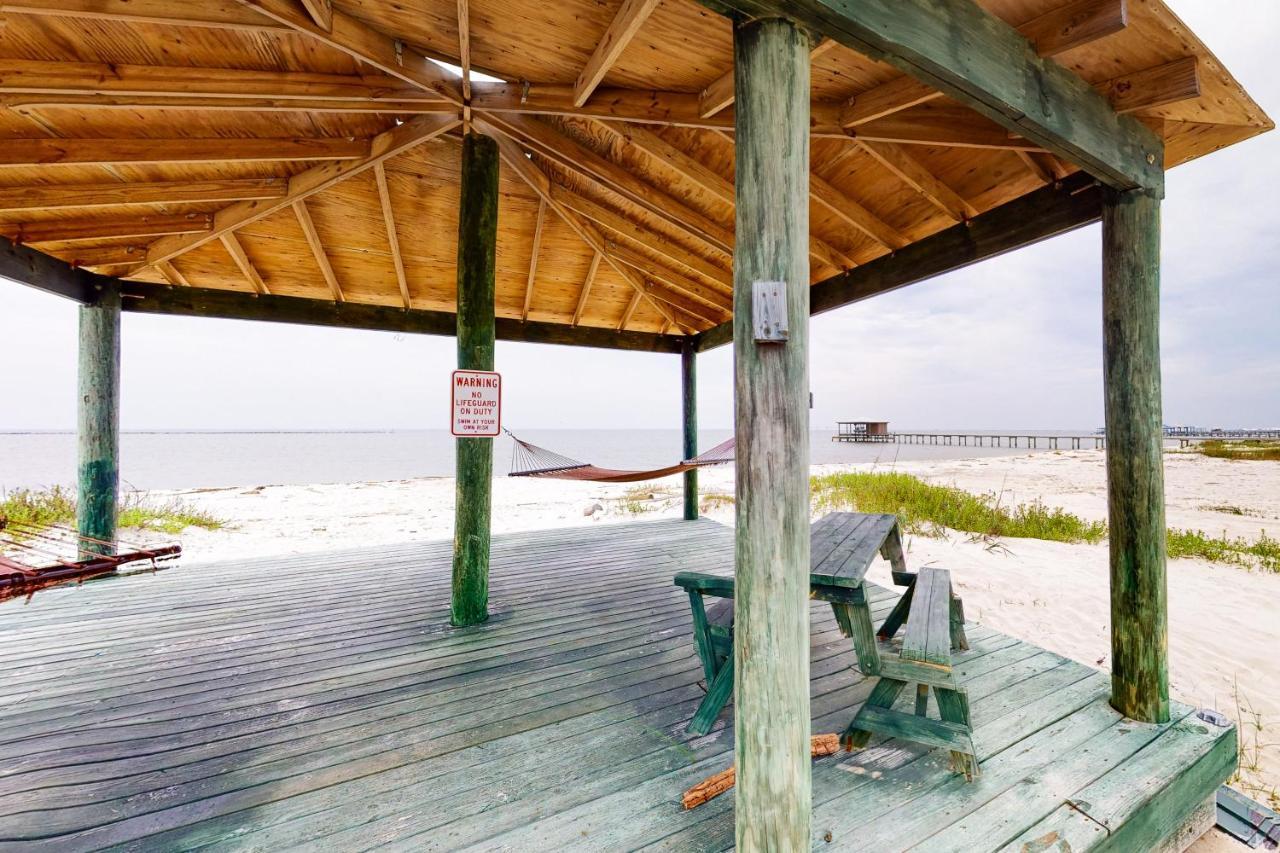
<point>769,312</point>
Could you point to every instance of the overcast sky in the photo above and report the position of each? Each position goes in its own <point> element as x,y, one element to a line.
<point>1013,342</point>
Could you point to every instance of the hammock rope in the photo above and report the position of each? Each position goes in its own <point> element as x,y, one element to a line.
<point>530,460</point>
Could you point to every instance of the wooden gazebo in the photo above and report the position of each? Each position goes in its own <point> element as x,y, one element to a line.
<point>324,162</point>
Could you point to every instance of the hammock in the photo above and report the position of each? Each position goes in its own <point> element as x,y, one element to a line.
<point>529,460</point>
<point>35,556</point>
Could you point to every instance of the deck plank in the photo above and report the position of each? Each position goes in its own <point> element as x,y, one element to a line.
<point>321,700</point>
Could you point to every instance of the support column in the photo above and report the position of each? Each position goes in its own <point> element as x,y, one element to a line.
<point>98,421</point>
<point>1135,466</point>
<point>689,397</point>
<point>771,420</point>
<point>477,236</point>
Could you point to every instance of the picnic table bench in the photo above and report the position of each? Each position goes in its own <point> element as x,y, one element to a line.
<point>843,546</point>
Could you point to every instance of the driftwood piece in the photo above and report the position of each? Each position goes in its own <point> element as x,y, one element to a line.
<point>716,785</point>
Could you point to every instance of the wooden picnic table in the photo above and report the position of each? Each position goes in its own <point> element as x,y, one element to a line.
<point>843,547</point>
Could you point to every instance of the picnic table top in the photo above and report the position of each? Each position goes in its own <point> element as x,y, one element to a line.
<point>843,544</point>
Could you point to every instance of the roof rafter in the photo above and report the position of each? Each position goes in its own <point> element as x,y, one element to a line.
<point>164,12</point>
<point>630,16</point>
<point>586,288</point>
<point>86,230</point>
<point>393,238</point>
<point>236,250</point>
<point>912,172</point>
<point>83,152</point>
<point>317,248</point>
<point>718,94</point>
<point>110,194</point>
<point>533,256</point>
<point>321,11</point>
<point>308,183</point>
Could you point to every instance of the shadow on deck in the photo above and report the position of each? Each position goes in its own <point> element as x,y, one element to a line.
<point>320,700</point>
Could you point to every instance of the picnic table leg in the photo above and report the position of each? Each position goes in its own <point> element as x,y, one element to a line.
<point>898,615</point>
<point>854,619</point>
<point>922,700</point>
<point>718,692</point>
<point>953,707</point>
<point>882,696</point>
<point>958,639</point>
<point>891,550</point>
<point>702,636</point>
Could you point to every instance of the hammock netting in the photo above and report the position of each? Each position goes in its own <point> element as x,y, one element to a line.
<point>530,460</point>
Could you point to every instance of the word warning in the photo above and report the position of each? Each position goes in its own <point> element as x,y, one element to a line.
<point>477,403</point>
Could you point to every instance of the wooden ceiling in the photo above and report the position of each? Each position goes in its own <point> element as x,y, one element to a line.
<point>295,148</point>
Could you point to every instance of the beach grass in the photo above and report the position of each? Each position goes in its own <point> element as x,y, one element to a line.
<point>1252,449</point>
<point>925,508</point>
<point>928,509</point>
<point>56,505</point>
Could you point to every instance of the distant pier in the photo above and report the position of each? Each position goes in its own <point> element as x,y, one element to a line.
<point>972,439</point>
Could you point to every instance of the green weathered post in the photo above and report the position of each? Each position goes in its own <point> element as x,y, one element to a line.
<point>477,236</point>
<point>771,420</point>
<point>98,421</point>
<point>1135,468</point>
<point>689,397</point>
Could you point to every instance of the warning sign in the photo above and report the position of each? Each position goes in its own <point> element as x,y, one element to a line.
<point>477,403</point>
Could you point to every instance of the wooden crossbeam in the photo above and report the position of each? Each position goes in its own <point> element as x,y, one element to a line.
<point>630,16</point>
<point>1036,167</point>
<point>533,256</point>
<point>172,274</point>
<point>1054,32</point>
<point>172,13</point>
<point>393,238</point>
<point>665,274</point>
<point>1060,112</point>
<point>82,152</point>
<point>31,105</point>
<point>317,249</point>
<point>60,196</point>
<point>236,250</point>
<point>718,94</point>
<point>32,268</point>
<point>367,44</point>
<point>97,257</point>
<point>321,11</point>
<point>464,46</point>
<point>855,214</point>
<point>586,288</point>
<point>955,127</point>
<point>142,298</point>
<point>87,230</point>
<point>628,312</point>
<point>308,183</point>
<point>35,77</point>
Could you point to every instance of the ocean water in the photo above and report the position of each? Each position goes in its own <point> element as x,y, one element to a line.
<point>187,460</point>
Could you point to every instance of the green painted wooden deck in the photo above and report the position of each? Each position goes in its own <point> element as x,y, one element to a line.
<point>319,701</point>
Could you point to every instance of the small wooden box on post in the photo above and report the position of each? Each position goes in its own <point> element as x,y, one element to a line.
<point>98,423</point>
<point>771,420</point>
<point>477,241</point>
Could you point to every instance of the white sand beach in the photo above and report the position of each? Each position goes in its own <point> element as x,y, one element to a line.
<point>1223,631</point>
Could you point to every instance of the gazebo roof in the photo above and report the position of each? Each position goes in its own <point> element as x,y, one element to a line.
<point>244,147</point>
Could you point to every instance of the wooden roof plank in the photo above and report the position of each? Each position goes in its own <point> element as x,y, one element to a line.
<point>55,152</point>
<point>630,16</point>
<point>308,183</point>
<point>111,194</point>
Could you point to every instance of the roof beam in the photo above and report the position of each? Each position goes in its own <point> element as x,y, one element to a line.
<point>321,11</point>
<point>45,272</point>
<point>236,250</point>
<point>586,288</point>
<point>371,46</point>
<point>630,16</point>
<point>533,257</point>
<point>855,214</point>
<point>172,274</point>
<point>142,298</point>
<point>25,76</point>
<point>515,158</point>
<point>308,227</point>
<point>464,47</point>
<point>393,238</point>
<point>1074,24</point>
<point>80,152</point>
<point>1045,213</point>
<point>677,280</point>
<point>87,230</point>
<point>912,172</point>
<point>304,184</point>
<point>65,196</point>
<point>218,14</point>
<point>1164,84</point>
<point>970,55</point>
